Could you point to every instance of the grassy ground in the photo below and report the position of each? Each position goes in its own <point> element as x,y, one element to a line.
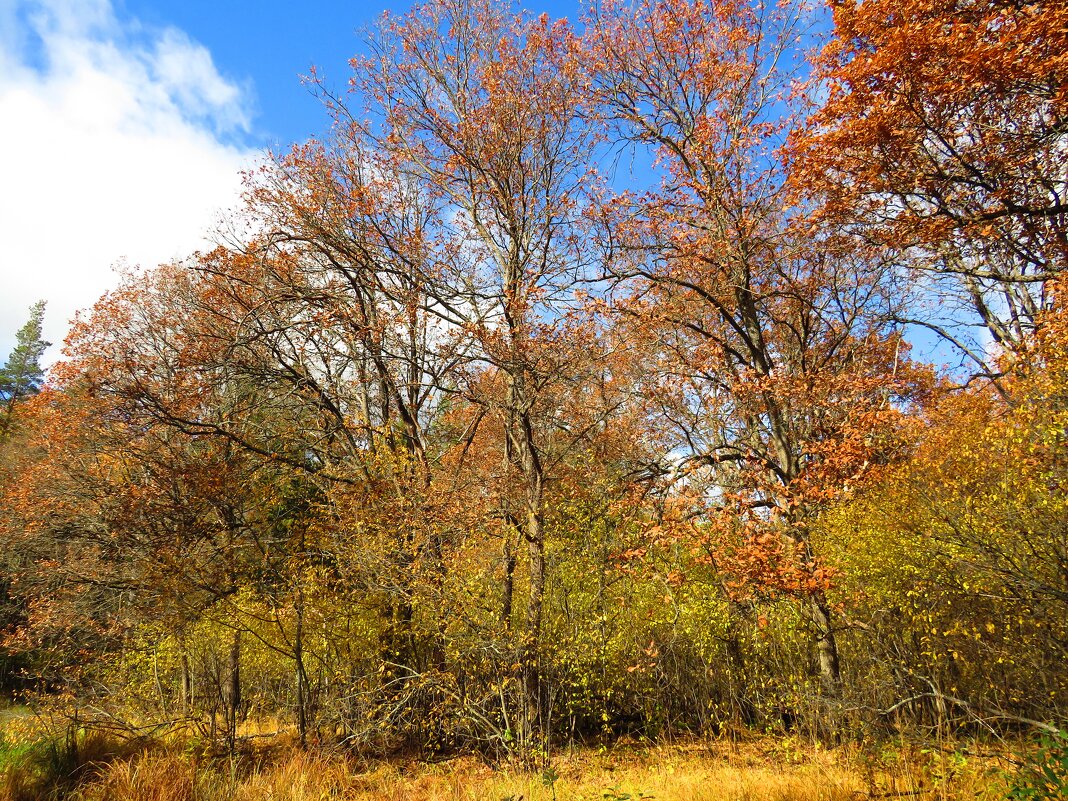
<point>763,769</point>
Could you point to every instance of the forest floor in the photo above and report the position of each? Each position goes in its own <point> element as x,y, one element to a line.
<point>750,769</point>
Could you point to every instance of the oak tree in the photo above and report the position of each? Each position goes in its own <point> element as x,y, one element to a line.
<point>942,138</point>
<point>775,371</point>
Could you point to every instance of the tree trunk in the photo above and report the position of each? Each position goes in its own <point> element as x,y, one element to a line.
<point>819,613</point>
<point>741,703</point>
<point>232,691</point>
<point>826,645</point>
<point>535,600</point>
<point>508,590</point>
<point>185,688</point>
<point>300,676</point>
<point>522,453</point>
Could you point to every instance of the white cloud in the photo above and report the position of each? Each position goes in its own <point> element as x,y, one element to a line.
<point>185,69</point>
<point>113,148</point>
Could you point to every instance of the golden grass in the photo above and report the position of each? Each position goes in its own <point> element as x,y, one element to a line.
<point>759,770</point>
<point>148,777</point>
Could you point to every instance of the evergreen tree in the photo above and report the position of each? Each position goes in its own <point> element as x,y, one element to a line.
<point>22,376</point>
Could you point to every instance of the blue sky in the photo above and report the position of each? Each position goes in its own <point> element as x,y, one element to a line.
<point>124,125</point>
<point>270,43</point>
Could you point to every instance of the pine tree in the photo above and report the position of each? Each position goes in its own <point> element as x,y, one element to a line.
<point>22,376</point>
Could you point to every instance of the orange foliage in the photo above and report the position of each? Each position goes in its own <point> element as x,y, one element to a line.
<point>943,133</point>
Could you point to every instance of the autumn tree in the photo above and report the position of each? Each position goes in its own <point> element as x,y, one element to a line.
<point>776,372</point>
<point>172,462</point>
<point>328,307</point>
<point>122,526</point>
<point>347,249</point>
<point>942,139</point>
<point>483,106</point>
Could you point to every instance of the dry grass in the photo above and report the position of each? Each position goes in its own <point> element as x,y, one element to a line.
<point>760,770</point>
<point>148,777</point>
